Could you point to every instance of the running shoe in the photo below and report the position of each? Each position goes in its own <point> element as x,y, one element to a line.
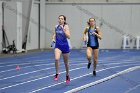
<point>94,73</point>
<point>67,79</point>
<point>88,66</point>
<point>56,77</point>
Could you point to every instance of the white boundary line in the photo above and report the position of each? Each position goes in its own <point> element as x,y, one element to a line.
<point>42,61</point>
<point>74,79</point>
<point>131,89</point>
<point>102,80</point>
<point>33,62</point>
<point>27,67</point>
<point>71,63</point>
<point>60,73</point>
<point>24,63</point>
<point>27,73</point>
<point>53,67</point>
<point>33,65</point>
<point>15,58</point>
<point>36,79</point>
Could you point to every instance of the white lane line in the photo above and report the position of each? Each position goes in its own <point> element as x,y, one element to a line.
<point>49,76</point>
<point>132,89</point>
<point>25,57</point>
<point>32,65</point>
<point>50,68</point>
<point>70,63</point>
<point>102,80</point>
<point>31,62</point>
<point>36,79</point>
<point>46,64</point>
<point>25,63</point>
<point>27,67</point>
<point>76,78</point>
<point>100,64</point>
<point>26,73</point>
<point>41,61</point>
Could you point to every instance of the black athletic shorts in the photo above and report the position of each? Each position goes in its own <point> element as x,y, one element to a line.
<point>93,47</point>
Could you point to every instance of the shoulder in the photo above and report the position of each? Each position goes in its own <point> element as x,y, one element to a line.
<point>87,28</point>
<point>97,28</point>
<point>66,26</point>
<point>56,26</point>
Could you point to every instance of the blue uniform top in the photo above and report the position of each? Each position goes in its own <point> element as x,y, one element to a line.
<point>61,40</point>
<point>92,39</point>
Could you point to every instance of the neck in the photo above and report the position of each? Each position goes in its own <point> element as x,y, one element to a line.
<point>61,24</point>
<point>92,26</point>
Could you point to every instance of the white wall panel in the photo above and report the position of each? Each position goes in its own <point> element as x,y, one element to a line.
<point>119,19</point>
<point>10,21</point>
<point>0,26</point>
<point>32,41</point>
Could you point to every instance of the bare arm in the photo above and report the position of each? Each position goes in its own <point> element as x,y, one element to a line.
<point>67,31</point>
<point>53,37</point>
<point>84,35</point>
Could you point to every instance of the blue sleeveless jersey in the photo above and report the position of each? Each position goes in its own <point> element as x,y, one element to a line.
<point>92,39</point>
<point>61,40</point>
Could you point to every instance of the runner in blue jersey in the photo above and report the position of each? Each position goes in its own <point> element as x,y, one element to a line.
<point>94,34</point>
<point>61,34</point>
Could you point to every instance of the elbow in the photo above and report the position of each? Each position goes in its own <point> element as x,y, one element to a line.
<point>100,38</point>
<point>68,36</point>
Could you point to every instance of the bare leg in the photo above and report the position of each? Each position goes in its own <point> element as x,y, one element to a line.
<point>66,58</point>
<point>57,53</point>
<point>95,58</point>
<point>89,55</point>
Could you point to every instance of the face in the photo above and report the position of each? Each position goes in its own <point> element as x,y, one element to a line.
<point>91,22</point>
<point>61,20</point>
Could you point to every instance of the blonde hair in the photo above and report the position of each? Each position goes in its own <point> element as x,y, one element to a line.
<point>89,20</point>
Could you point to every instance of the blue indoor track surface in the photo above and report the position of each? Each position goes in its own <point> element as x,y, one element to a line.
<point>34,72</point>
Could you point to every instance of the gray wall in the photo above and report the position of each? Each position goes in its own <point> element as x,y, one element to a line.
<point>117,20</point>
<point>26,13</point>
<point>32,41</point>
<point>85,1</point>
<point>0,26</point>
<point>10,21</point>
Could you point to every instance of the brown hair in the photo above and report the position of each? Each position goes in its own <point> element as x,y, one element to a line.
<point>64,19</point>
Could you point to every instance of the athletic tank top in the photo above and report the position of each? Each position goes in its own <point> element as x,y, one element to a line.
<point>92,39</point>
<point>61,38</point>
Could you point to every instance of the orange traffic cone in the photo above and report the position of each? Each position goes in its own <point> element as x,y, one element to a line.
<point>17,67</point>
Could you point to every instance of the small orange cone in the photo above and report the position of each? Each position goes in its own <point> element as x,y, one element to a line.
<point>17,67</point>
